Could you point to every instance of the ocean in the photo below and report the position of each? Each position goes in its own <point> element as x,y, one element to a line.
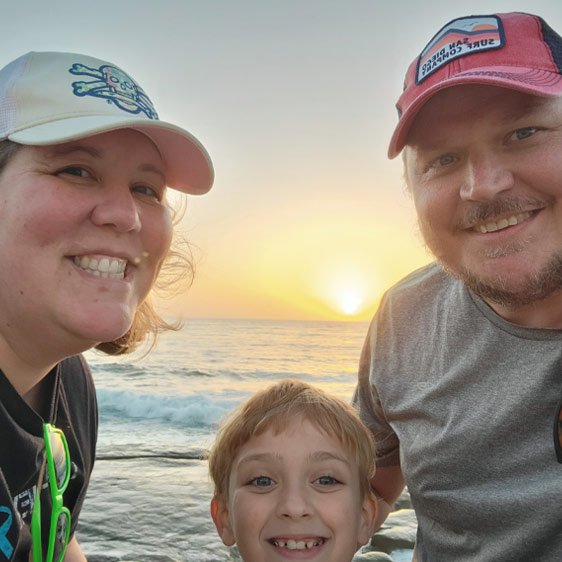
<point>149,494</point>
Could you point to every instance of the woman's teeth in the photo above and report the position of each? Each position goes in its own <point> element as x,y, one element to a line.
<point>501,224</point>
<point>109,268</point>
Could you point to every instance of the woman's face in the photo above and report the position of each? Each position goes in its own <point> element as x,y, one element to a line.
<point>83,233</point>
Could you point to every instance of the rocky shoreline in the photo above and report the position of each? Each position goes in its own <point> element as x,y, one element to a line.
<point>394,541</point>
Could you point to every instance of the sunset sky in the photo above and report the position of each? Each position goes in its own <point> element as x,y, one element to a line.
<point>294,100</point>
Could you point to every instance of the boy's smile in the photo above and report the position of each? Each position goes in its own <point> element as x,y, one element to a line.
<point>294,495</point>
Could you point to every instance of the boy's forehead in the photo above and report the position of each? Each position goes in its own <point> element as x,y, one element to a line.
<point>296,430</point>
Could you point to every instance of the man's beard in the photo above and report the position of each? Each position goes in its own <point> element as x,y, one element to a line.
<point>501,289</point>
<point>535,288</point>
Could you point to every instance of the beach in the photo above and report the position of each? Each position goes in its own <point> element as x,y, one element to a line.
<point>149,495</point>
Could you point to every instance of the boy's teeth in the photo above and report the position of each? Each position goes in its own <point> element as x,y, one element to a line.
<point>291,544</point>
<point>109,268</point>
<point>503,223</point>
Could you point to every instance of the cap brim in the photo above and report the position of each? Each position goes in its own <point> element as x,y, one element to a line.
<point>538,83</point>
<point>188,165</point>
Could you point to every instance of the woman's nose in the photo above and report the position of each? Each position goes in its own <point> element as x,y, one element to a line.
<point>117,208</point>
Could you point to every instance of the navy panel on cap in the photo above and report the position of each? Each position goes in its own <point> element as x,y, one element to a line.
<point>554,41</point>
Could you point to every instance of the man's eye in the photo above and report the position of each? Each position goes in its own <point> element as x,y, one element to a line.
<point>524,133</point>
<point>261,481</point>
<point>327,481</point>
<point>445,160</point>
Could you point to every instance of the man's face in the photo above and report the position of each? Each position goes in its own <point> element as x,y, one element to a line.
<point>485,168</point>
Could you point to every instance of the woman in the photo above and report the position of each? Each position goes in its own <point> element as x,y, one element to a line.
<point>84,231</point>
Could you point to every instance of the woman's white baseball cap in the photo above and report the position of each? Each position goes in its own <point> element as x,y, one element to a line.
<point>50,98</point>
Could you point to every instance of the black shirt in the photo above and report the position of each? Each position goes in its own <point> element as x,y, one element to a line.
<point>72,408</point>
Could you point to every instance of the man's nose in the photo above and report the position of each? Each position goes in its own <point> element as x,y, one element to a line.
<point>485,176</point>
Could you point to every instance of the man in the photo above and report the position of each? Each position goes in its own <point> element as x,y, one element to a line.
<point>461,372</point>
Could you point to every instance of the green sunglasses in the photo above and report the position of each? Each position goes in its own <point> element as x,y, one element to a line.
<point>558,431</point>
<point>56,451</point>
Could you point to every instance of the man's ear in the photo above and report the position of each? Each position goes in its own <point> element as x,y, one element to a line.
<point>368,517</point>
<point>221,519</point>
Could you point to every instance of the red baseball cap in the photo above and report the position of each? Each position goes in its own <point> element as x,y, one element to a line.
<point>513,50</point>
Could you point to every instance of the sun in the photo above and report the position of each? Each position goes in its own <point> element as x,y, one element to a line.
<point>350,302</point>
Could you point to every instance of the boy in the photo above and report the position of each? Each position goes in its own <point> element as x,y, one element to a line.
<point>292,469</point>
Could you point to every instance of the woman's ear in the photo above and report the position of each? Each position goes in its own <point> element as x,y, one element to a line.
<point>221,519</point>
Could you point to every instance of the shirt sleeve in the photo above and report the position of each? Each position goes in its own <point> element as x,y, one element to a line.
<point>80,407</point>
<point>368,403</point>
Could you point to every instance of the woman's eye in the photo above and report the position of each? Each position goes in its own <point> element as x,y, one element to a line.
<point>146,190</point>
<point>327,481</point>
<point>523,133</point>
<point>261,481</point>
<point>74,171</point>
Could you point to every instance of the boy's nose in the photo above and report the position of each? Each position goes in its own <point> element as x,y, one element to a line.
<point>294,503</point>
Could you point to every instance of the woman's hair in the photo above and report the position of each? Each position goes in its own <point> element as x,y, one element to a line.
<point>275,408</point>
<point>176,267</point>
<point>7,150</point>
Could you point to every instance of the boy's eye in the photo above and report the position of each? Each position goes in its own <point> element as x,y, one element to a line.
<point>327,481</point>
<point>262,481</point>
<point>523,133</point>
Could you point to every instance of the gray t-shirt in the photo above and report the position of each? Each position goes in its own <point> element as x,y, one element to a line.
<point>464,402</point>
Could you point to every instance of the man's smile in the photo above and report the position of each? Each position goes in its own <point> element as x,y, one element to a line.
<point>501,224</point>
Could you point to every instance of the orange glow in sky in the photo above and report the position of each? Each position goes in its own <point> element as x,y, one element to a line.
<point>296,265</point>
<point>295,103</point>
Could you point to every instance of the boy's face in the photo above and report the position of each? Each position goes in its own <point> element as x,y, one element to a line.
<point>294,496</point>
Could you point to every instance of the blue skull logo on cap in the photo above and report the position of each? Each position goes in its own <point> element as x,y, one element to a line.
<point>115,86</point>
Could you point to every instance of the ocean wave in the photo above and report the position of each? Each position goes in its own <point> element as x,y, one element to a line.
<point>134,370</point>
<point>191,454</point>
<point>189,411</point>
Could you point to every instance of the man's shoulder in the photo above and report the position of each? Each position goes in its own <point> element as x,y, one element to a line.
<point>430,279</point>
<point>423,296</point>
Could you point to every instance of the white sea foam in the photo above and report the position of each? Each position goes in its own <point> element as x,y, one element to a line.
<point>189,411</point>
<point>149,495</point>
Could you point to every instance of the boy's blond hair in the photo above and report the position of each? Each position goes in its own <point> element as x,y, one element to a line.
<point>275,408</point>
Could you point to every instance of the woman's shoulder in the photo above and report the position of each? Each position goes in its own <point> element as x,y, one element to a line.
<point>76,375</point>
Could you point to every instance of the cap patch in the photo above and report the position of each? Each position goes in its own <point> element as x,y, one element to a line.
<point>460,37</point>
<point>115,86</point>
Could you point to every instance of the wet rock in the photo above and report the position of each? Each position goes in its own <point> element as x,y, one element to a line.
<point>372,557</point>
<point>398,532</point>
<point>403,502</point>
